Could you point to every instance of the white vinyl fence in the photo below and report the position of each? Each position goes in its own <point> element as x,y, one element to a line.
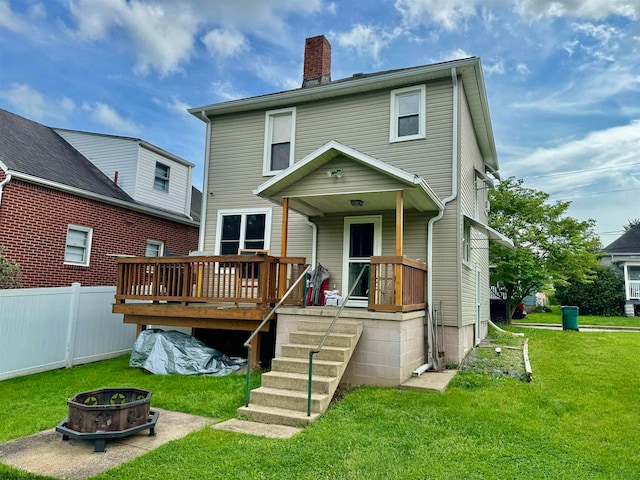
<point>47,328</point>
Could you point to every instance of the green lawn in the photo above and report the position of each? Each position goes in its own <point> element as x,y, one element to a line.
<point>555,317</point>
<point>577,419</point>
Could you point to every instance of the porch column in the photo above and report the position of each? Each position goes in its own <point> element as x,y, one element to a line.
<point>282,278</point>
<point>627,284</point>
<point>399,244</point>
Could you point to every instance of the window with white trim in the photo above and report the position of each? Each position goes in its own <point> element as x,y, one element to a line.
<point>407,113</point>
<point>238,229</point>
<point>279,140</point>
<point>161,179</point>
<point>78,245</point>
<point>155,248</point>
<point>466,243</point>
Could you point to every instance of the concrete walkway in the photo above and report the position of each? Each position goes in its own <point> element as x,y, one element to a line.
<point>45,453</point>
<point>434,381</point>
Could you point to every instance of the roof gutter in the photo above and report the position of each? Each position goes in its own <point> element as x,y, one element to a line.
<point>205,183</point>
<point>103,198</point>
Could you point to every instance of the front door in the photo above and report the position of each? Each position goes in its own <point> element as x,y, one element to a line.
<point>362,240</point>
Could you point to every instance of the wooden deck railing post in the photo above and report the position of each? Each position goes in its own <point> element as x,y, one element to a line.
<point>399,241</point>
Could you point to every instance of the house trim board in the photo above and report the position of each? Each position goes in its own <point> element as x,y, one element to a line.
<point>205,184</point>
<point>101,198</point>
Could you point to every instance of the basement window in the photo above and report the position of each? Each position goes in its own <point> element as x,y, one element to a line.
<point>155,248</point>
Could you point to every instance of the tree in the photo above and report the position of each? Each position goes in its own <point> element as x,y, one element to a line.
<point>631,223</point>
<point>550,248</point>
<point>603,296</point>
<point>9,272</point>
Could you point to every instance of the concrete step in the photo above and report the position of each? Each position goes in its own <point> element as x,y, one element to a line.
<point>333,340</point>
<point>322,326</point>
<point>324,368</point>
<point>280,416</point>
<point>336,354</point>
<point>299,382</point>
<point>289,399</point>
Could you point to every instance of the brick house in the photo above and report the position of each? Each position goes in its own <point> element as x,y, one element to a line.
<point>64,216</point>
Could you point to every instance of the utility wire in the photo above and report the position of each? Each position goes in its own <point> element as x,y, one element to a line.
<point>571,172</point>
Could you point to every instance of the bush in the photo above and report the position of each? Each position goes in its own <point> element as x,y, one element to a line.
<point>603,296</point>
<point>9,272</point>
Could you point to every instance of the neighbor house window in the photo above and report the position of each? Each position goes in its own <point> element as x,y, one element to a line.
<point>154,248</point>
<point>407,113</point>
<point>161,180</point>
<point>279,140</point>
<point>78,245</point>
<point>466,243</point>
<point>238,229</point>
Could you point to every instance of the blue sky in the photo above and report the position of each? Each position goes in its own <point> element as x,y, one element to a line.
<point>562,77</point>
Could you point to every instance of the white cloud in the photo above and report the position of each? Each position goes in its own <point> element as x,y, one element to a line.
<point>107,116</point>
<point>226,43</point>
<point>162,33</point>
<point>226,90</point>
<point>447,13</point>
<point>332,8</point>
<point>577,8</point>
<point>522,69</point>
<point>456,54</point>
<point>10,20</point>
<point>35,105</point>
<point>174,105</point>
<point>496,68</point>
<point>279,75</point>
<point>365,40</point>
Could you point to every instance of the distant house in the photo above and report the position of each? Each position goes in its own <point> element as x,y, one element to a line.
<point>71,201</point>
<point>624,255</point>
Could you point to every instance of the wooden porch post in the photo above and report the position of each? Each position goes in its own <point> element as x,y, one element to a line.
<point>282,279</point>
<point>399,243</point>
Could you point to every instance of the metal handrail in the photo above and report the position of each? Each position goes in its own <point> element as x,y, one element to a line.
<point>324,339</point>
<point>247,344</point>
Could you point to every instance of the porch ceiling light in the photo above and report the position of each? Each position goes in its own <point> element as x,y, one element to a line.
<point>334,173</point>
<point>357,203</point>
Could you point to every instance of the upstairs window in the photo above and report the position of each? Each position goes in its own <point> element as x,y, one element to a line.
<point>78,245</point>
<point>466,243</point>
<point>161,180</point>
<point>279,140</point>
<point>155,248</point>
<point>407,114</point>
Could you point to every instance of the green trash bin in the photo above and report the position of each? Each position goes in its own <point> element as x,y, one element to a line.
<point>569,318</point>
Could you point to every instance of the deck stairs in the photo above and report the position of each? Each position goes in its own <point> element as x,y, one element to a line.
<point>282,398</point>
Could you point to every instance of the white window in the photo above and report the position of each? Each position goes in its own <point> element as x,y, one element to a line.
<point>279,140</point>
<point>161,180</point>
<point>407,114</point>
<point>238,229</point>
<point>78,245</point>
<point>154,248</point>
<point>466,243</point>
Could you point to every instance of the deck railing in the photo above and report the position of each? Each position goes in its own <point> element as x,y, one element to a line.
<point>397,284</point>
<point>633,292</point>
<point>259,279</point>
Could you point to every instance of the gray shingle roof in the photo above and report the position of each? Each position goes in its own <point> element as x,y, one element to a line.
<point>34,149</point>
<point>627,243</point>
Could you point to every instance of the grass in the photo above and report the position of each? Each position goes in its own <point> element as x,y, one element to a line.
<point>577,419</point>
<point>555,317</point>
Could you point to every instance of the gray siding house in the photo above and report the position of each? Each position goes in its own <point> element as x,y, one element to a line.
<point>623,254</point>
<point>394,163</point>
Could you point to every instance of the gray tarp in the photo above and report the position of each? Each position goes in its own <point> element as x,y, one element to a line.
<point>169,352</point>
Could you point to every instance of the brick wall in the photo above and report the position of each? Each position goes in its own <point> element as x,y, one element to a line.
<point>33,228</point>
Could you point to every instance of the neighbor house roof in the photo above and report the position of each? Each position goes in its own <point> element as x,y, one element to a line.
<point>36,153</point>
<point>629,242</point>
<point>468,69</point>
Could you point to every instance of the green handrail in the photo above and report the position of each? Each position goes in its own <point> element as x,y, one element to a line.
<point>324,339</point>
<point>247,344</point>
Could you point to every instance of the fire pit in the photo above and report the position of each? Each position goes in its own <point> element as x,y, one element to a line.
<point>108,413</point>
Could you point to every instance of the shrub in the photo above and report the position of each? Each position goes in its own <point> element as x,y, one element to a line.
<point>603,296</point>
<point>9,272</point>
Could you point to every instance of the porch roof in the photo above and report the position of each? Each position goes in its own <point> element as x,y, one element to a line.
<point>417,193</point>
<point>494,235</point>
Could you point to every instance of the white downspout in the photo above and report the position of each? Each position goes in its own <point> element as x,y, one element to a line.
<point>314,240</point>
<point>205,183</point>
<point>454,194</point>
<point>6,180</point>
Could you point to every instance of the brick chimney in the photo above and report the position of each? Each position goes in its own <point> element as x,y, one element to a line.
<point>317,62</point>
